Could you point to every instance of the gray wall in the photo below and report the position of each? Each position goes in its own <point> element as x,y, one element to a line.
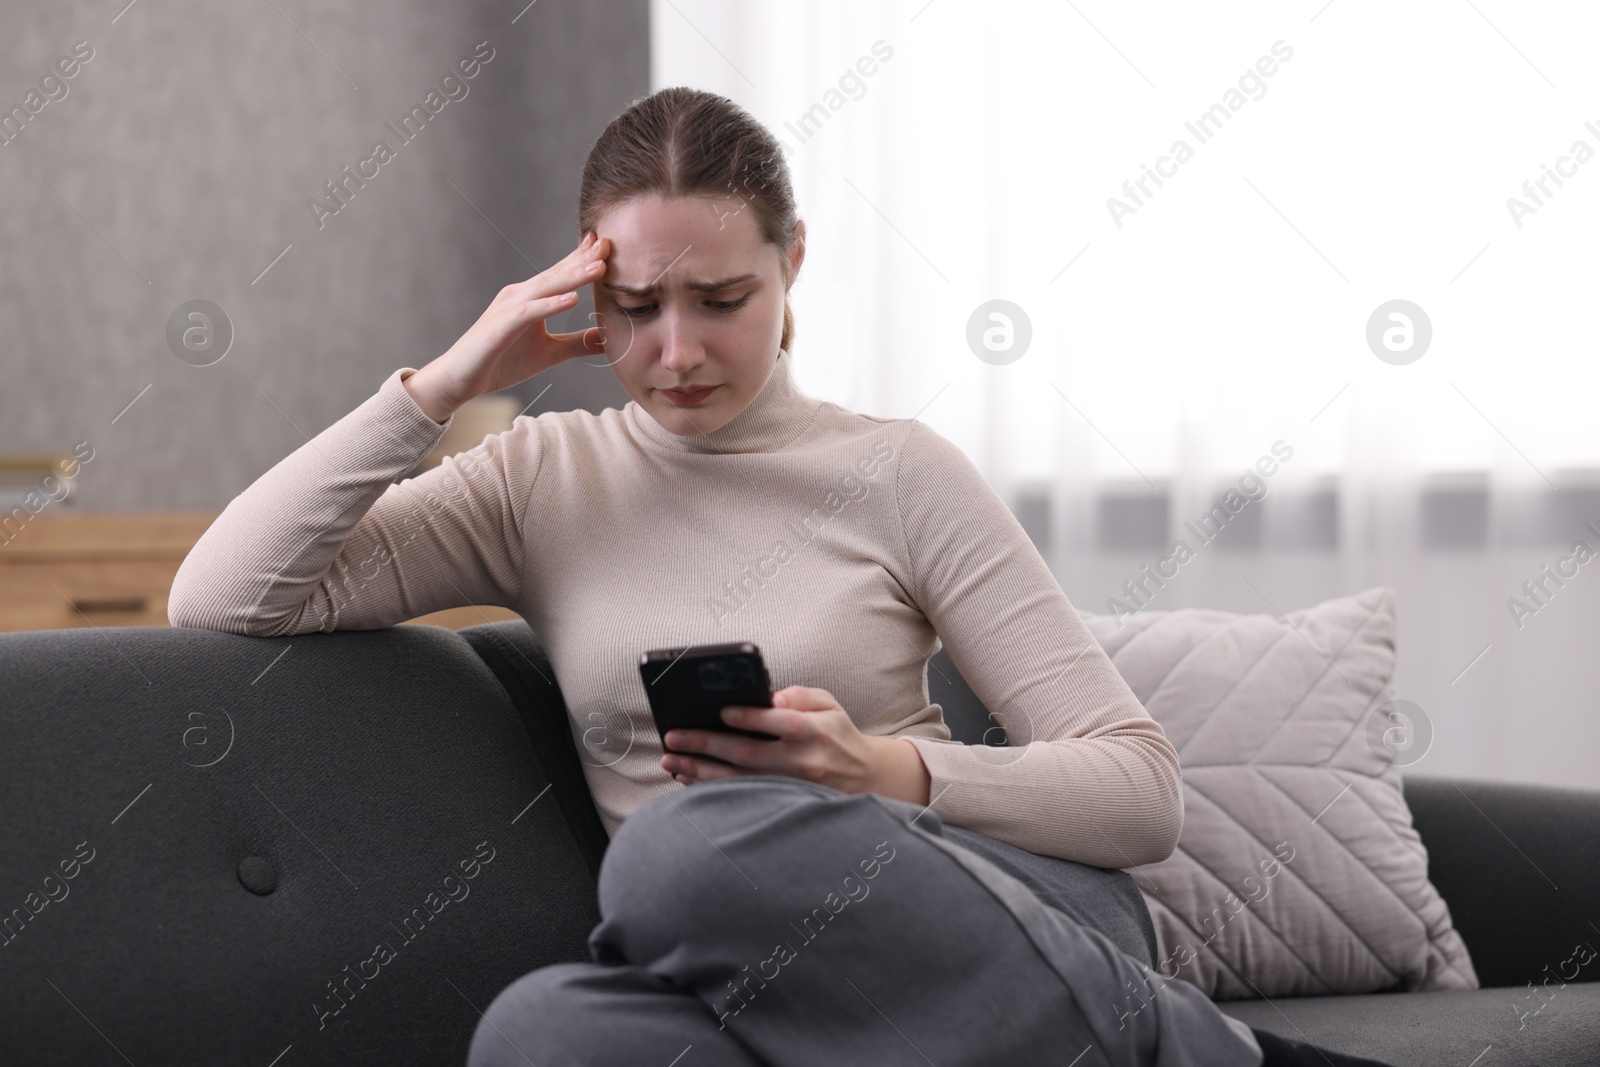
<point>179,164</point>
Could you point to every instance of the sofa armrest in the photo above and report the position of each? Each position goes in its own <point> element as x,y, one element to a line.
<point>1519,866</point>
<point>195,817</point>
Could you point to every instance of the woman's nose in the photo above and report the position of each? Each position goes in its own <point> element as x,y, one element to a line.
<point>681,351</point>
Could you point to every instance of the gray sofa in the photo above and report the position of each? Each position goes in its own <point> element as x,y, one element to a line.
<point>339,848</point>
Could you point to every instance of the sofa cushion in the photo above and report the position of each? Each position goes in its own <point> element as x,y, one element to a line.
<point>1554,1026</point>
<point>1298,871</point>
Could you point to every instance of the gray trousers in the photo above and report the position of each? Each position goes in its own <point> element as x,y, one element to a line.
<point>766,921</point>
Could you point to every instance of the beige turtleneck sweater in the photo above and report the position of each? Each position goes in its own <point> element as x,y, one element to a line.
<point>846,546</point>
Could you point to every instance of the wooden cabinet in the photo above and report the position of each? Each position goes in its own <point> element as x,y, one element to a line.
<point>456,618</point>
<point>115,569</point>
<point>64,569</point>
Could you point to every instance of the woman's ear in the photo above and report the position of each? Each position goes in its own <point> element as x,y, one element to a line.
<point>797,254</point>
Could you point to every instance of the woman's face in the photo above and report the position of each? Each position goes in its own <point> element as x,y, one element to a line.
<point>692,297</point>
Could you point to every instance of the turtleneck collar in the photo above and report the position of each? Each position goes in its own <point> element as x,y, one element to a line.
<point>776,415</point>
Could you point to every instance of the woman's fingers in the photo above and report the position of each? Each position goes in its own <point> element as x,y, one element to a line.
<point>588,268</point>
<point>805,698</point>
<point>513,325</point>
<point>781,722</point>
<point>689,770</point>
<point>539,308</point>
<point>581,266</point>
<point>588,341</point>
<point>750,753</point>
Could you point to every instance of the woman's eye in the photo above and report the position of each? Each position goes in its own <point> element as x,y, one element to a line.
<point>724,306</point>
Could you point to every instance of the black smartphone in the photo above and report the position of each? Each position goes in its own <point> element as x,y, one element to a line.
<point>689,687</point>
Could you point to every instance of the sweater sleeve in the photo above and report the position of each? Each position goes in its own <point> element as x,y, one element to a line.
<point>327,540</point>
<point>1092,777</point>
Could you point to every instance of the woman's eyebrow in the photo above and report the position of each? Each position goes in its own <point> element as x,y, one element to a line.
<point>700,287</point>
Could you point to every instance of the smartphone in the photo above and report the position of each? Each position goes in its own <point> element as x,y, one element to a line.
<point>689,687</point>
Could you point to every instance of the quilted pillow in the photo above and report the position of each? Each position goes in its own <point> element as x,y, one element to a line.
<point>1298,872</point>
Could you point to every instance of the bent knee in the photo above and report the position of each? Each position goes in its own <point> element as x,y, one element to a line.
<point>536,1018</point>
<point>686,859</point>
<point>673,834</point>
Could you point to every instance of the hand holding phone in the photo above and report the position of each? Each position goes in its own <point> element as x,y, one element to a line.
<point>688,687</point>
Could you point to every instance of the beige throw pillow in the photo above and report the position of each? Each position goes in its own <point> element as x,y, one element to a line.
<point>1298,871</point>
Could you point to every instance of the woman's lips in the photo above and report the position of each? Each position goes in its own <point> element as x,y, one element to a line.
<point>687,398</point>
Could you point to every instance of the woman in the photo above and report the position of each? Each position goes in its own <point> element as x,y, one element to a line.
<point>725,504</point>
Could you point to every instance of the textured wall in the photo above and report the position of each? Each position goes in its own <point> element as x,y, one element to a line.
<point>177,163</point>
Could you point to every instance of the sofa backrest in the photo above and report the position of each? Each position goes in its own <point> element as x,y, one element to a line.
<point>220,847</point>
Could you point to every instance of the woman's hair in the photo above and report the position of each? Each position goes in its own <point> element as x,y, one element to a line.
<point>679,142</point>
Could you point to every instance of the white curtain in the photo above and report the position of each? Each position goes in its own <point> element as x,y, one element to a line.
<point>1338,158</point>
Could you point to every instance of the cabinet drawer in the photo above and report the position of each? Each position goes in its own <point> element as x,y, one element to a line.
<point>59,595</point>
